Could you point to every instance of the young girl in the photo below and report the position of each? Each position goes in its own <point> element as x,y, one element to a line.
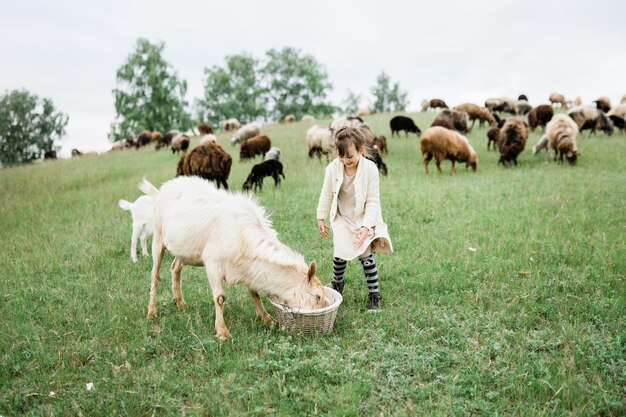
<point>350,195</point>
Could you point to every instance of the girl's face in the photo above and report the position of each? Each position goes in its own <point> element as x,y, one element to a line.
<point>351,158</point>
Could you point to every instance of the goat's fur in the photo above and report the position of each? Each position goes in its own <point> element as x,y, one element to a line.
<point>231,236</point>
<point>442,143</point>
<point>142,213</point>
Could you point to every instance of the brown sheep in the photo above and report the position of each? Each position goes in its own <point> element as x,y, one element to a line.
<point>492,137</point>
<point>443,123</point>
<point>511,141</point>
<point>540,116</point>
<point>209,161</point>
<point>143,139</point>
<point>475,112</point>
<point>257,145</point>
<point>556,98</point>
<point>166,139</point>
<point>155,136</point>
<point>459,119</point>
<point>437,102</point>
<point>380,142</point>
<point>290,118</point>
<point>442,143</point>
<point>205,129</point>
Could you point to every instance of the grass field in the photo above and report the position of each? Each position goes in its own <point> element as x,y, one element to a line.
<point>505,294</point>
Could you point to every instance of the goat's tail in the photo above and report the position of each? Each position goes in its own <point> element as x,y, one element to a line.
<point>125,205</point>
<point>148,188</point>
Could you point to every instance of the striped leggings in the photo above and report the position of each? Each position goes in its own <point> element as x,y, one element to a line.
<point>369,269</point>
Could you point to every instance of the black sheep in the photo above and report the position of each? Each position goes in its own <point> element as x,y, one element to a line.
<point>270,168</point>
<point>407,124</point>
<point>618,122</point>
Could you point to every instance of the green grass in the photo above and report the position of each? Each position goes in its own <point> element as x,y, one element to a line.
<point>530,323</point>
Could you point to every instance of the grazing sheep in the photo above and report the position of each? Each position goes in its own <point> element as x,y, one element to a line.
<point>501,104</point>
<point>307,118</point>
<point>166,139</point>
<point>273,153</point>
<point>522,106</point>
<point>155,136</point>
<point>493,136</point>
<point>619,122</point>
<point>257,145</point>
<point>232,237</point>
<point>556,98</point>
<point>363,111</point>
<point>76,152</point>
<point>424,104</point>
<point>209,161</point>
<point>319,140</point>
<point>205,128</point>
<point>244,132</point>
<point>619,110</point>
<point>437,103</point>
<point>540,116</point>
<point>442,143</point>
<point>380,142</point>
<point>459,119</point>
<point>209,137</point>
<point>50,155</point>
<point>475,112</point>
<point>603,103</point>
<point>231,124</point>
<point>143,139</point>
<point>522,97</point>
<point>339,122</point>
<point>511,141</point>
<point>180,142</point>
<point>407,124</point>
<point>561,137</point>
<point>374,155</point>
<point>142,213</point>
<point>270,168</point>
<point>588,117</point>
<point>119,145</point>
<point>443,123</point>
<point>290,118</point>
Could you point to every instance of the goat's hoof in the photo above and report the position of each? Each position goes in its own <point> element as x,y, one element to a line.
<point>267,319</point>
<point>152,314</point>
<point>181,304</point>
<point>223,334</point>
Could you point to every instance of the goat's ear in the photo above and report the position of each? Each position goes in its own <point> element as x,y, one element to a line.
<point>311,273</point>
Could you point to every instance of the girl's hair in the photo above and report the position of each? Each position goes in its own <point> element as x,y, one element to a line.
<point>347,135</point>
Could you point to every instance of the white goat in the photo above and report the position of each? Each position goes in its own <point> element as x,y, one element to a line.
<point>231,236</point>
<point>142,212</point>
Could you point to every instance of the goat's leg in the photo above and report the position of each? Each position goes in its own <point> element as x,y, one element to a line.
<point>261,312</point>
<point>219,298</point>
<point>157,256</point>
<point>144,243</point>
<point>133,242</point>
<point>176,269</point>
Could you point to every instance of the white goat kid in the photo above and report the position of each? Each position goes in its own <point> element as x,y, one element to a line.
<point>142,212</point>
<point>231,236</point>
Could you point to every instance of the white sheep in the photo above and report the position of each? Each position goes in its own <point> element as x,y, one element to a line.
<point>244,132</point>
<point>273,153</point>
<point>180,142</point>
<point>142,213</point>
<point>307,118</point>
<point>619,110</point>
<point>319,140</point>
<point>209,137</point>
<point>231,236</point>
<point>560,136</point>
<point>231,124</point>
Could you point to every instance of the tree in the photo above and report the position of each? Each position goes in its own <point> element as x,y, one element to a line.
<point>149,94</point>
<point>388,98</point>
<point>29,127</point>
<point>233,91</point>
<point>352,103</point>
<point>296,84</point>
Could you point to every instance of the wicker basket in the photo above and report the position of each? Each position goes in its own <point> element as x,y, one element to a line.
<point>303,321</point>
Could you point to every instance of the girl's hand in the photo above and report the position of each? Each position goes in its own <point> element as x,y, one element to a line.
<point>360,236</point>
<point>323,229</point>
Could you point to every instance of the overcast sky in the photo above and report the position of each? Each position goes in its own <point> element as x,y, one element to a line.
<point>460,51</point>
